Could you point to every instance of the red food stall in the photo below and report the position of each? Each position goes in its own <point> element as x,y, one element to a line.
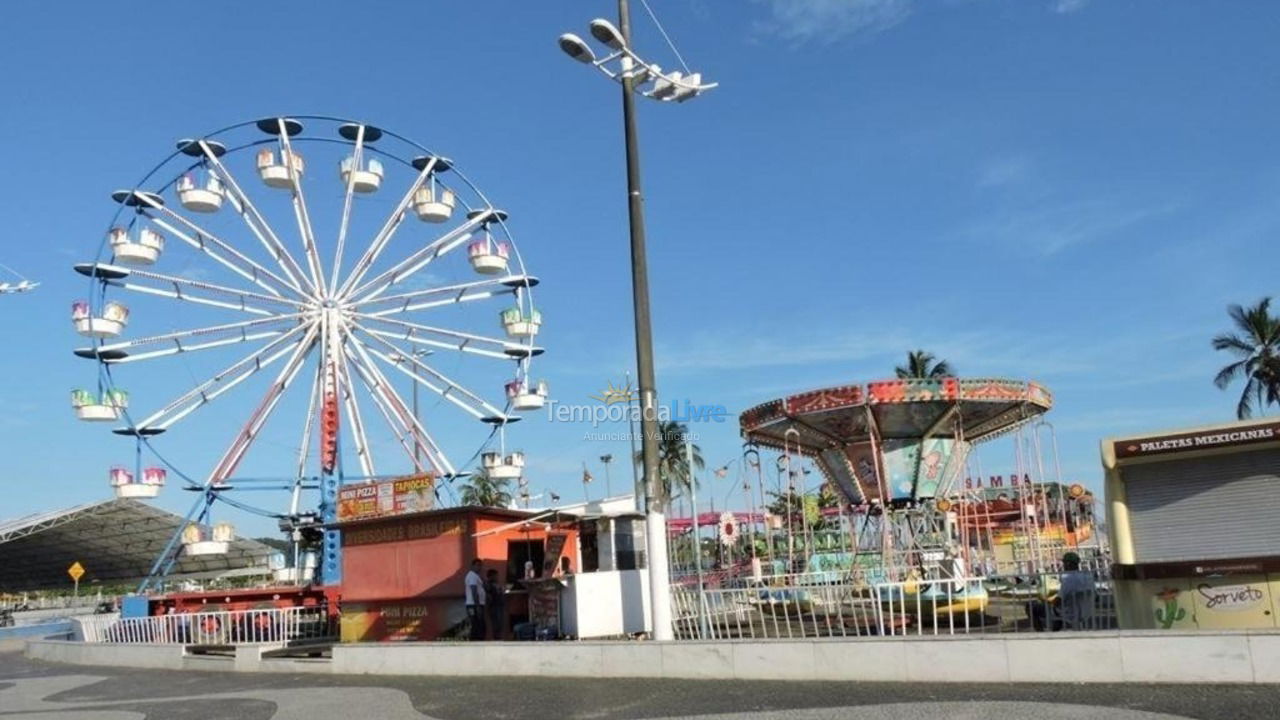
<point>403,569</point>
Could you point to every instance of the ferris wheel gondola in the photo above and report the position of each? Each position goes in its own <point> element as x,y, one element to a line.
<point>345,318</point>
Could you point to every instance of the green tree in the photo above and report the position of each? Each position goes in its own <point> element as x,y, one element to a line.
<point>486,491</point>
<point>920,364</point>
<point>673,465</point>
<point>1256,345</point>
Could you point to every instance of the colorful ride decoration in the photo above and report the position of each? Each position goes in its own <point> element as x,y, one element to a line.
<point>108,324</point>
<point>126,485</point>
<point>201,197</point>
<point>144,250</point>
<point>524,395</point>
<point>204,540</point>
<point>498,467</point>
<point>521,324</point>
<point>363,178</point>
<point>274,169</point>
<point>487,256</point>
<point>99,408</point>
<point>432,203</point>
<point>896,441</point>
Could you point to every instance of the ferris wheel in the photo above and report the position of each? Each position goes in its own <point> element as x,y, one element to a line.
<point>239,256</point>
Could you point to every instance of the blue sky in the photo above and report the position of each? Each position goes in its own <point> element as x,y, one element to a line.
<point>1061,190</point>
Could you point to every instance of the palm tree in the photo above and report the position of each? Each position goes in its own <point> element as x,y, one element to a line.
<point>486,491</point>
<point>673,465</point>
<point>920,364</point>
<point>1256,344</point>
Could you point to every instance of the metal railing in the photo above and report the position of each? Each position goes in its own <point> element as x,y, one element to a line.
<point>223,627</point>
<point>805,606</point>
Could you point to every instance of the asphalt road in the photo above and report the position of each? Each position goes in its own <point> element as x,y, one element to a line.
<point>33,690</point>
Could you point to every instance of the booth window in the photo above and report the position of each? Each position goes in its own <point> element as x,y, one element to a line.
<point>628,543</point>
<point>521,551</point>
<point>589,541</point>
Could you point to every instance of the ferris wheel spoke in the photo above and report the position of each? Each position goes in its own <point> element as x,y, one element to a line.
<point>398,429</point>
<point>304,448</point>
<point>507,284</point>
<point>345,224</point>
<point>358,436</point>
<point>428,377</point>
<point>119,357</point>
<point>180,282</point>
<point>456,299</point>
<point>418,334</point>
<point>392,404</point>
<point>178,294</point>
<point>222,382</point>
<point>257,224</point>
<point>421,258</point>
<point>301,213</point>
<point>178,336</point>
<point>242,265</point>
<point>244,439</point>
<point>383,238</point>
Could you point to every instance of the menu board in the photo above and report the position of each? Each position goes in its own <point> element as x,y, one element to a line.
<point>387,498</point>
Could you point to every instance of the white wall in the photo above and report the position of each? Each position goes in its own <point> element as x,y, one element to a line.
<point>605,604</point>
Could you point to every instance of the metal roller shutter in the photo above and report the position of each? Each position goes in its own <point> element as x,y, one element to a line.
<point>1205,508</point>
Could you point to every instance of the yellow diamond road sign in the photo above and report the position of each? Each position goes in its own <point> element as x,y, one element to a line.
<point>76,571</point>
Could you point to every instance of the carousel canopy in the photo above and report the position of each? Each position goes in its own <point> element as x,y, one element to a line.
<point>115,541</point>
<point>895,440</point>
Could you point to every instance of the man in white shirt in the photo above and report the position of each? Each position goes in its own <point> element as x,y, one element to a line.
<point>473,589</point>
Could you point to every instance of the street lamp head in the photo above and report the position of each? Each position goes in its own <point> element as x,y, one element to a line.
<point>607,34</point>
<point>576,48</point>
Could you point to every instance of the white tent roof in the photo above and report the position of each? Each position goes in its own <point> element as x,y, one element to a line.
<point>115,541</point>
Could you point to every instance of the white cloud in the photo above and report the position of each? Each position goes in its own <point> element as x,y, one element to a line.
<point>825,21</point>
<point>1062,7</point>
<point>1054,227</point>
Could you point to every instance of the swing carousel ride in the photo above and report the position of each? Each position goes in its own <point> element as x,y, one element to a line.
<point>223,254</point>
<point>914,522</point>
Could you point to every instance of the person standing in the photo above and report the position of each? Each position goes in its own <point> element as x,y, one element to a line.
<point>1076,594</point>
<point>495,604</point>
<point>474,596</point>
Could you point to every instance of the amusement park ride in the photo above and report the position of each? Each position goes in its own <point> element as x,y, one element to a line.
<point>900,454</point>
<point>325,309</point>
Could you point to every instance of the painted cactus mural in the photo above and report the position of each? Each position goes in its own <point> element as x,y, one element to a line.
<point>1169,614</point>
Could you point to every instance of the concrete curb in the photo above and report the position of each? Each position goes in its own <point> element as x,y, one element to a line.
<point>1129,657</point>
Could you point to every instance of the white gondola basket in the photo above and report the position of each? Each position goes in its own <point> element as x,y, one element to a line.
<point>197,198</point>
<point>434,206</point>
<point>108,325</point>
<point>145,251</point>
<point>521,325</point>
<point>276,174</point>
<point>197,540</point>
<point>525,397</point>
<point>206,547</point>
<point>137,490</point>
<point>362,181</point>
<point>90,408</point>
<point>488,257</point>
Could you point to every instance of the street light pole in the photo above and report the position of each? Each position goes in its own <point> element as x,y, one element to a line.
<point>655,503</point>
<point>638,75</point>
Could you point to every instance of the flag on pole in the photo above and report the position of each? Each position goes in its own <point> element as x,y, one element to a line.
<point>586,474</point>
